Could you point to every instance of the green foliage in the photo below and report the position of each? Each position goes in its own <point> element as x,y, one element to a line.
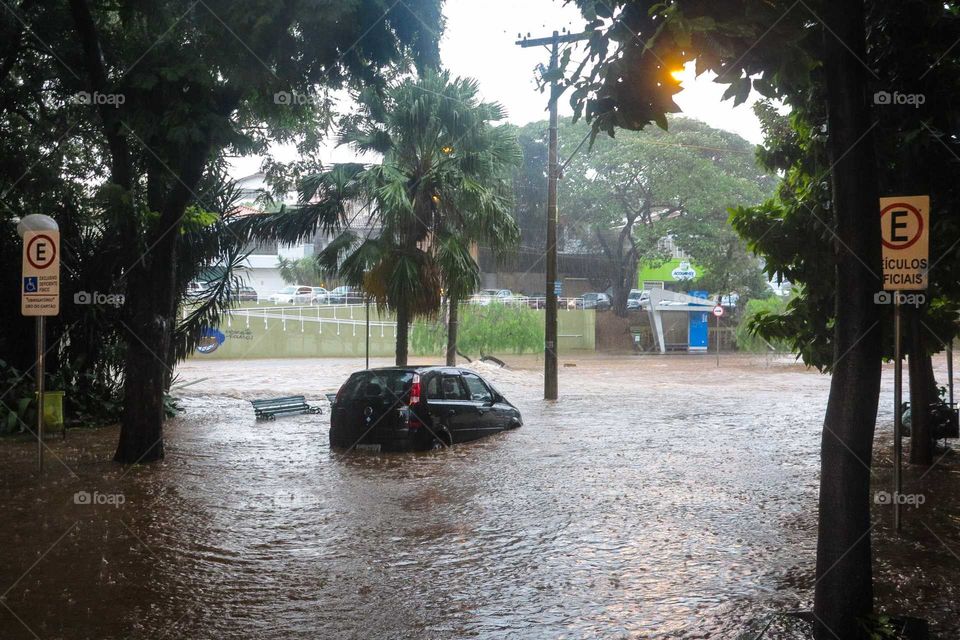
<point>443,185</point>
<point>495,328</point>
<point>879,627</point>
<point>748,338</point>
<point>90,399</point>
<point>18,406</point>
<point>622,195</point>
<point>120,127</point>
<point>302,271</point>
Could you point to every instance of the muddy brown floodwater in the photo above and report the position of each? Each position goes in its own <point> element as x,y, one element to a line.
<point>660,497</point>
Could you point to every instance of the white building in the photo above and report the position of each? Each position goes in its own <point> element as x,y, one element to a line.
<point>262,265</point>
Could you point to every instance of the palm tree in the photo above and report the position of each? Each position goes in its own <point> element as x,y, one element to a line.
<point>441,188</point>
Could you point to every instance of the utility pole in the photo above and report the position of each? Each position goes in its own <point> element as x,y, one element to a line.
<point>550,334</point>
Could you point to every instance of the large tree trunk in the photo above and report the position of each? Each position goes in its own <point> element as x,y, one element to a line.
<point>923,393</point>
<point>844,583</point>
<point>403,333</point>
<point>453,322</point>
<point>150,297</point>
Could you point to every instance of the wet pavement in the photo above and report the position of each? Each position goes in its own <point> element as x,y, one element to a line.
<point>661,497</point>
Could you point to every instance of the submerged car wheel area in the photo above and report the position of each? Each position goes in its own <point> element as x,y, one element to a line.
<point>417,408</point>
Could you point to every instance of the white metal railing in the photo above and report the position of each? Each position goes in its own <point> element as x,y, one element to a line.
<point>312,316</point>
<point>537,302</point>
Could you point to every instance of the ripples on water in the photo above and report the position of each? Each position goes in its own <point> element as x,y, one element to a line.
<point>656,500</point>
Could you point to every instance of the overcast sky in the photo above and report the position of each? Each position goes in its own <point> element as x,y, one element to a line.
<point>480,42</point>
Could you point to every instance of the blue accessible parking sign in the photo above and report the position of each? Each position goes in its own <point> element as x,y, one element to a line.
<point>30,284</point>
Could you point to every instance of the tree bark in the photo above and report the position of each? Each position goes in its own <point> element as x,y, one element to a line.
<point>923,393</point>
<point>147,373</point>
<point>403,333</point>
<point>453,322</point>
<point>152,299</point>
<point>844,586</point>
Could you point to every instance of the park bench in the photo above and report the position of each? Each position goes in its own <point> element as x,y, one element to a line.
<point>271,408</point>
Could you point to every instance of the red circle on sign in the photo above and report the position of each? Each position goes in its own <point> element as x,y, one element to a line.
<point>53,251</point>
<point>915,212</point>
<point>718,311</point>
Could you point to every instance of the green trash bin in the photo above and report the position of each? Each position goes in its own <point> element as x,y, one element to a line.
<point>52,411</point>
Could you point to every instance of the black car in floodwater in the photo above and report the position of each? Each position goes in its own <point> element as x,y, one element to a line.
<point>417,408</point>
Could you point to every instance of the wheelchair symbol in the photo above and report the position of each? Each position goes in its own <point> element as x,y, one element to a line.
<point>30,284</point>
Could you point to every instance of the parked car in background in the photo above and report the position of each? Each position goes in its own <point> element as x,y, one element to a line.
<point>417,408</point>
<point>320,296</point>
<point>196,288</point>
<point>598,301</point>
<point>245,293</point>
<point>637,298</point>
<point>295,294</point>
<point>537,301</point>
<point>730,300</point>
<point>345,295</point>
<point>486,296</point>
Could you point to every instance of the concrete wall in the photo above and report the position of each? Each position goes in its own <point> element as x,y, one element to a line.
<point>315,332</point>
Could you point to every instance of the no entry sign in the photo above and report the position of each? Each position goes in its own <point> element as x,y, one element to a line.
<point>40,285</point>
<point>718,311</point>
<point>905,230</point>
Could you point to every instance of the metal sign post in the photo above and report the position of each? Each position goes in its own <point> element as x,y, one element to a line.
<point>718,313</point>
<point>905,233</point>
<point>950,369</point>
<point>40,293</point>
<point>897,413</point>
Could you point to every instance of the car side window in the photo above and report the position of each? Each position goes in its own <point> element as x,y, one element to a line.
<point>452,388</point>
<point>433,389</point>
<point>478,390</point>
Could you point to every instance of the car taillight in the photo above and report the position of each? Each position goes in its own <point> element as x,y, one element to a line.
<point>415,390</point>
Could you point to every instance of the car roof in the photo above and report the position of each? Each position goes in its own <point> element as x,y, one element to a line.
<point>421,368</point>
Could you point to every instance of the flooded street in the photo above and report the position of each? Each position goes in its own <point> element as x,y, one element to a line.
<point>660,497</point>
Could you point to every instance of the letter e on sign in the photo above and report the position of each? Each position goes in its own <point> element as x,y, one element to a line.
<point>905,233</point>
<point>40,284</point>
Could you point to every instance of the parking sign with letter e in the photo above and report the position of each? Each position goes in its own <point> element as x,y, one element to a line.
<point>905,232</point>
<point>40,291</point>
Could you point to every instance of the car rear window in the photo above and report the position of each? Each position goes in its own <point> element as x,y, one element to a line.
<point>390,385</point>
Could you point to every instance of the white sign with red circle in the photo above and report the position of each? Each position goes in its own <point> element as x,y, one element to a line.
<point>905,233</point>
<point>718,311</point>
<point>40,284</point>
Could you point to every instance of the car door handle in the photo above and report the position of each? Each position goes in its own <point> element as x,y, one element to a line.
<point>481,410</point>
<point>451,412</point>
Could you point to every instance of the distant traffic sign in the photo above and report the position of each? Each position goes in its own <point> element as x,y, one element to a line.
<point>718,311</point>
<point>905,231</point>
<point>40,295</point>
